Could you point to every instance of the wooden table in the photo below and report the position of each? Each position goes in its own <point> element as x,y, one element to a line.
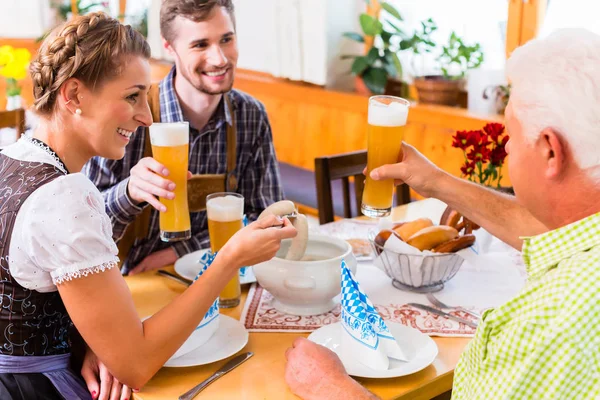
<point>262,376</point>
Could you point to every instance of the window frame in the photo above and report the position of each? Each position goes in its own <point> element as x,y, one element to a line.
<point>525,18</point>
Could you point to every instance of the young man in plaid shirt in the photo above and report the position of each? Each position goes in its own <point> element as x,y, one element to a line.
<point>200,35</point>
<point>543,343</point>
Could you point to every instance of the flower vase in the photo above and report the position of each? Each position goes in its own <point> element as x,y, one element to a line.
<point>14,102</point>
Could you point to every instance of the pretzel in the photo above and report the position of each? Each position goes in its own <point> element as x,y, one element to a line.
<point>453,218</point>
<point>454,245</point>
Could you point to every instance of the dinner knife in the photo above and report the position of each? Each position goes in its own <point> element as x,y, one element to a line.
<point>228,366</point>
<point>175,277</point>
<point>444,314</point>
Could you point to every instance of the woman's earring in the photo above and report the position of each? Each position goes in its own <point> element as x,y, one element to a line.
<point>78,111</point>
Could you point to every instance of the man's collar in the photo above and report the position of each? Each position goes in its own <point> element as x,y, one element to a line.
<point>542,252</point>
<point>170,109</point>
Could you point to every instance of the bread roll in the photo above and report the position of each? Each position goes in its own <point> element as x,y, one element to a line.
<point>430,237</point>
<point>408,229</point>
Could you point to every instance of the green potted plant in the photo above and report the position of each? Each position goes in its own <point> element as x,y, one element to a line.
<point>455,60</point>
<point>380,70</point>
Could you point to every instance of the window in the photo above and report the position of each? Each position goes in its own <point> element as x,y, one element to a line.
<point>571,14</point>
<point>475,21</point>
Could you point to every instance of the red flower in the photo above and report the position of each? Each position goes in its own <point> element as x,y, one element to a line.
<point>477,138</point>
<point>494,130</point>
<point>479,153</point>
<point>461,140</point>
<point>468,169</point>
<point>497,156</point>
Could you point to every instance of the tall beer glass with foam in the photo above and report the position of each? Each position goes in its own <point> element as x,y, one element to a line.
<point>385,131</point>
<point>170,143</point>
<point>225,213</point>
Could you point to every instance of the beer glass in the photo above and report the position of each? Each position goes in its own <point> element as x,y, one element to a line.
<point>385,131</point>
<point>225,213</point>
<point>170,143</point>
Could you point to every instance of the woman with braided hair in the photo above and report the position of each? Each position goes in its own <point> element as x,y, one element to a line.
<point>57,256</point>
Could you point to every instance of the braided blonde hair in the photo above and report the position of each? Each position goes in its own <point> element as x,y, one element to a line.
<point>90,48</point>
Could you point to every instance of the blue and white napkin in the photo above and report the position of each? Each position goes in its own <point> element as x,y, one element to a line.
<point>365,335</point>
<point>211,318</point>
<point>209,324</point>
<point>244,270</point>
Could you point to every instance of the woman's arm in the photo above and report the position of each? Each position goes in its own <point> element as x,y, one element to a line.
<point>102,309</point>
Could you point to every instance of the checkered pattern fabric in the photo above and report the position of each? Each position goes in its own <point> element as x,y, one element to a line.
<point>545,342</point>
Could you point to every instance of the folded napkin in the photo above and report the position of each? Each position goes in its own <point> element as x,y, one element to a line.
<point>212,315</point>
<point>365,336</point>
<point>209,324</point>
<point>244,270</point>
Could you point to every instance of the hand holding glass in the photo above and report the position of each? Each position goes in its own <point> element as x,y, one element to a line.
<point>385,131</point>
<point>170,143</point>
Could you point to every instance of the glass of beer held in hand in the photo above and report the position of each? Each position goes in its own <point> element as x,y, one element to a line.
<point>170,143</point>
<point>385,131</point>
<point>225,213</point>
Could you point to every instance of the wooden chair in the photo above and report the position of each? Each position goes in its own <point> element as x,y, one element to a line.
<point>13,119</point>
<point>344,166</point>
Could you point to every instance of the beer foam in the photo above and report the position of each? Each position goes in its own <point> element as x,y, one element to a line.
<point>393,114</point>
<point>225,209</point>
<point>169,134</point>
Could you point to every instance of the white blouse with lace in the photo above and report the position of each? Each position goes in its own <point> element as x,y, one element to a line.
<point>61,231</point>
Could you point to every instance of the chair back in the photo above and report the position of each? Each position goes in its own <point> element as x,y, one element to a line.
<point>343,167</point>
<point>13,119</point>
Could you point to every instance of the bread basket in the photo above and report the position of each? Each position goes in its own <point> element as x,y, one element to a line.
<point>421,273</point>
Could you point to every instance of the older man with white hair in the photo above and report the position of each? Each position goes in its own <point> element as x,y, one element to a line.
<point>545,342</point>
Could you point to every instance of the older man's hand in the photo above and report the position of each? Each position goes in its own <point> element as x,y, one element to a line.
<point>315,372</point>
<point>414,169</point>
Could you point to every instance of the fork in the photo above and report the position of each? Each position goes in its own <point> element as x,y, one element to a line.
<point>433,300</point>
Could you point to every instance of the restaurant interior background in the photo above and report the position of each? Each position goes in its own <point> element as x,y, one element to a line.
<point>313,63</point>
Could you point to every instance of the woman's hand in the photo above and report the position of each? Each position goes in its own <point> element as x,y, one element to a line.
<point>101,384</point>
<point>257,242</point>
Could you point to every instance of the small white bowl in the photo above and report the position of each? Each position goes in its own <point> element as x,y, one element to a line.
<point>308,286</point>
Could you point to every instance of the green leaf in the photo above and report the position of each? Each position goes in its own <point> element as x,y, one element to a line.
<point>397,64</point>
<point>376,79</point>
<point>398,30</point>
<point>370,25</point>
<point>386,36</point>
<point>359,65</point>
<point>406,44</point>
<point>354,36</point>
<point>372,55</point>
<point>347,56</point>
<point>391,10</point>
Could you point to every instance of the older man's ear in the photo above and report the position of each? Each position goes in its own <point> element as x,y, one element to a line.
<point>555,153</point>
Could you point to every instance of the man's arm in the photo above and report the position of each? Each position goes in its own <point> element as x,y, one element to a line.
<point>498,213</point>
<point>111,179</point>
<point>260,182</point>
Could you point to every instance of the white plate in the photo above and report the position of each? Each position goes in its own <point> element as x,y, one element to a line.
<point>230,338</point>
<point>188,267</point>
<point>422,346</point>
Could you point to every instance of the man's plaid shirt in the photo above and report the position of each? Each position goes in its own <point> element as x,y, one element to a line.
<point>256,169</point>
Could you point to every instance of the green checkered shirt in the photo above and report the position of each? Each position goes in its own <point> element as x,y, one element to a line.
<point>545,342</point>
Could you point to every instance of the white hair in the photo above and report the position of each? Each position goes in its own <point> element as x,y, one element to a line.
<point>555,83</point>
